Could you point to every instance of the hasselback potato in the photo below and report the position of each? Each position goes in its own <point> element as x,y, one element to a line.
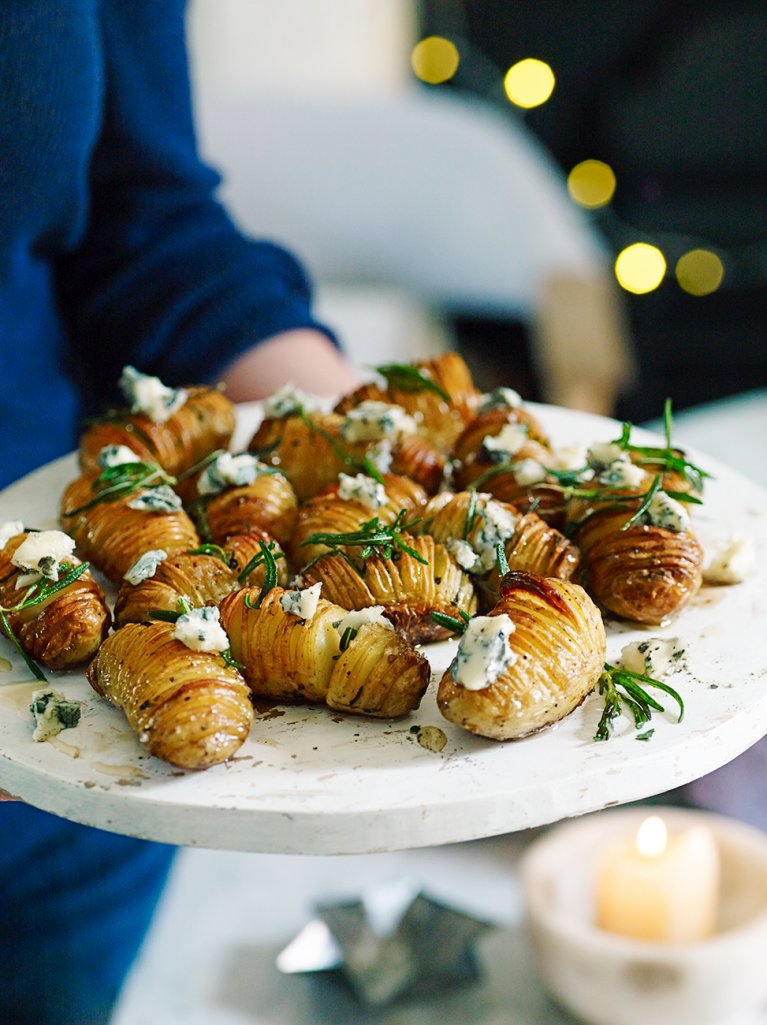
<point>408,588</point>
<point>554,656</point>
<point>289,658</point>
<point>438,392</point>
<point>308,449</point>
<point>63,630</point>
<point>112,535</point>
<point>205,422</point>
<point>188,707</point>
<point>329,511</point>
<point>201,579</point>
<point>268,504</point>
<point>640,572</point>
<point>482,523</point>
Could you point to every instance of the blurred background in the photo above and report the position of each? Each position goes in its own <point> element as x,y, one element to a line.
<point>570,193</point>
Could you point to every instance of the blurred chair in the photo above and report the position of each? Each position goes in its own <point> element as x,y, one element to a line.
<point>429,197</point>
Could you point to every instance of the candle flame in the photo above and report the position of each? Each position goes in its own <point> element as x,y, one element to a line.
<point>652,837</point>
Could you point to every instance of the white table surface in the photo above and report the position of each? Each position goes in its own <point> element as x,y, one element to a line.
<point>225,916</point>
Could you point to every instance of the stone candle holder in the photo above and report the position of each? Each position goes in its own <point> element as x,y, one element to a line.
<point>607,979</point>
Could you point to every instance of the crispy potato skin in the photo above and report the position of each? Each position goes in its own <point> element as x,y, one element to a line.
<point>201,579</point>
<point>417,458</point>
<point>290,659</point>
<point>284,657</point>
<point>268,504</point>
<point>559,641</point>
<point>188,707</point>
<point>441,422</point>
<point>64,631</point>
<point>112,536</point>
<point>379,674</point>
<point>305,455</point>
<point>408,590</point>
<point>203,424</point>
<point>645,574</point>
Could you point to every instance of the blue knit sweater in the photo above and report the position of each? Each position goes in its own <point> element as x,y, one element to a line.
<point>113,249</point>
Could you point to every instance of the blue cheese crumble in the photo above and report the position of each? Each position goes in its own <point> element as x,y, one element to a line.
<point>727,559</point>
<point>509,440</point>
<point>287,401</point>
<point>664,511</point>
<point>374,421</point>
<point>41,554</point>
<point>302,603</point>
<point>463,554</point>
<point>494,525</point>
<point>162,499</point>
<point>362,489</point>
<point>656,656</point>
<point>528,472</point>
<point>116,455</point>
<point>500,398</point>
<point>148,395</point>
<point>373,616</point>
<point>483,652</point>
<point>602,454</point>
<point>52,713</point>
<point>623,474</point>
<point>201,630</point>
<point>228,470</point>
<point>145,566</point>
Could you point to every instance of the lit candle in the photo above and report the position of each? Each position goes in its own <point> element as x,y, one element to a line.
<point>656,886</point>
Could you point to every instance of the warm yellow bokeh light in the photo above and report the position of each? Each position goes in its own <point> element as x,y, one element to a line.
<point>591,183</point>
<point>640,268</point>
<point>529,82</point>
<point>699,272</point>
<point>435,59</point>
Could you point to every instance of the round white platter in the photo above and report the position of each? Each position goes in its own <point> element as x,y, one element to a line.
<point>311,781</point>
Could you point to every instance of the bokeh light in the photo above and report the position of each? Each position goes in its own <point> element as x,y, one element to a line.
<point>640,268</point>
<point>699,272</point>
<point>529,82</point>
<point>435,59</point>
<point>591,183</point>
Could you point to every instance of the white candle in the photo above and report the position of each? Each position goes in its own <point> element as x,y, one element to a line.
<point>655,886</point>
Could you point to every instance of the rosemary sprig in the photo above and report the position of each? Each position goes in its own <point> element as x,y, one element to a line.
<point>347,637</point>
<point>500,557</point>
<point>37,593</point>
<point>119,481</point>
<point>258,559</point>
<point>669,459</point>
<point>471,513</point>
<point>452,623</point>
<point>623,689</point>
<point>373,537</point>
<point>209,549</point>
<point>407,377</point>
<point>205,461</point>
<point>270,575</point>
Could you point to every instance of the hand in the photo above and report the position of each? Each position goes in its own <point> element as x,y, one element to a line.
<point>305,358</point>
<point>5,796</point>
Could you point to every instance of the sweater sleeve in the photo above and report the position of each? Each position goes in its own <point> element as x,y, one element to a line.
<point>163,279</point>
